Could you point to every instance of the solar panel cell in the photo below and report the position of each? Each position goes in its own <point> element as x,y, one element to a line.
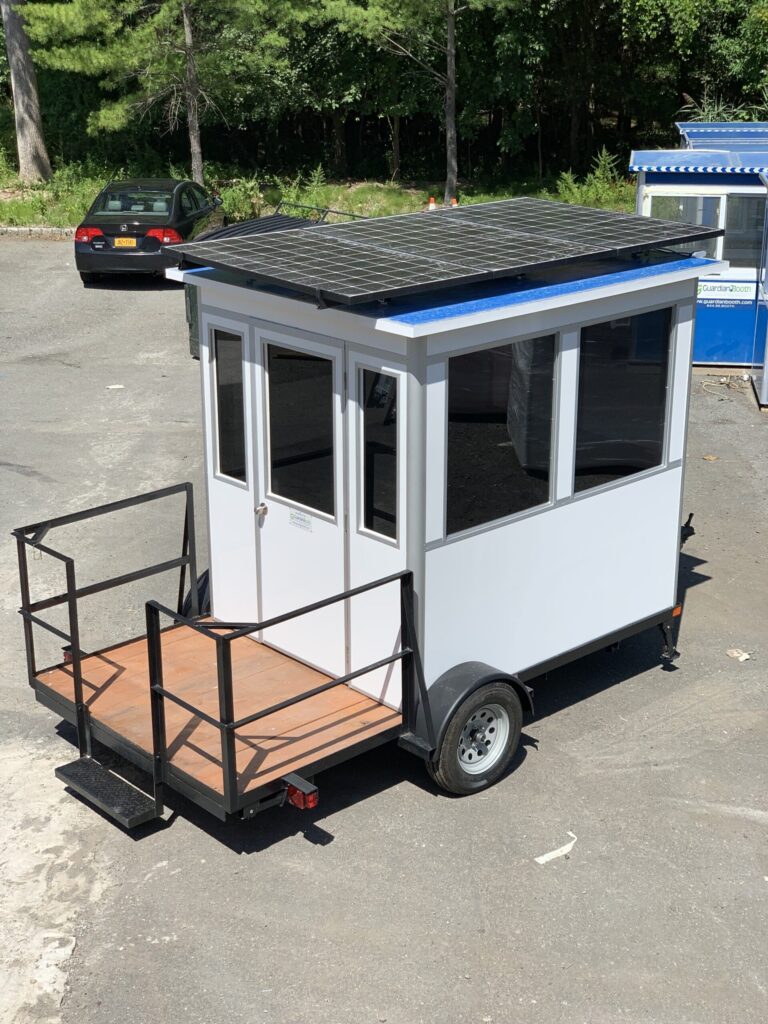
<point>377,259</point>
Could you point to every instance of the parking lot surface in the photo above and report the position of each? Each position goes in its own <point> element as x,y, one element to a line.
<point>390,902</point>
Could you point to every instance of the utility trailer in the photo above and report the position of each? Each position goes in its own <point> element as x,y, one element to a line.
<point>444,455</point>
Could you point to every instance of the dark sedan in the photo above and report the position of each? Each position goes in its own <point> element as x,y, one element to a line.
<point>130,221</point>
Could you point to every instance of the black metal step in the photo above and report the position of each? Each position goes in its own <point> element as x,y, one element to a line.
<point>416,745</point>
<point>111,794</point>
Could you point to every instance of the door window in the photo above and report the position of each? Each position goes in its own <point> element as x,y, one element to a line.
<point>301,438</point>
<point>230,405</point>
<point>203,200</point>
<point>379,402</point>
<point>188,203</point>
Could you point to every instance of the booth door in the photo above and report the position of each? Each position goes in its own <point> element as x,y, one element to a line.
<point>226,359</point>
<point>300,514</point>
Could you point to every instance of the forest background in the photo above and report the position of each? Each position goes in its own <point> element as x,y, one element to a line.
<point>366,105</point>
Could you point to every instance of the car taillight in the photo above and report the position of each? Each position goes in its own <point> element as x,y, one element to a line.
<point>84,234</point>
<point>168,236</point>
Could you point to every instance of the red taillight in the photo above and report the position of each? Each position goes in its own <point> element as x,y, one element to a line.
<point>304,801</point>
<point>168,236</point>
<point>84,234</point>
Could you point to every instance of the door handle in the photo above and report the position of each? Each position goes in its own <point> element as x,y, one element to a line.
<point>261,510</point>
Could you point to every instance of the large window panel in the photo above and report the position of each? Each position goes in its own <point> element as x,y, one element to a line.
<point>379,403</point>
<point>703,211</point>
<point>623,373</point>
<point>499,432</point>
<point>743,240</point>
<point>230,406</point>
<point>301,427</point>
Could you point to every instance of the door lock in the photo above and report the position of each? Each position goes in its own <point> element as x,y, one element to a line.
<point>261,510</point>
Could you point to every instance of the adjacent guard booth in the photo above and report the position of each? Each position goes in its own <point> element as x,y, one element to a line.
<point>444,455</point>
<point>718,179</point>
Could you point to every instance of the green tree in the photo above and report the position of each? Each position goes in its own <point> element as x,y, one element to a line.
<point>169,55</point>
<point>424,32</point>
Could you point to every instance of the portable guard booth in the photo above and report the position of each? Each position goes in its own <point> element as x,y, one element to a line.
<point>718,179</point>
<point>485,407</point>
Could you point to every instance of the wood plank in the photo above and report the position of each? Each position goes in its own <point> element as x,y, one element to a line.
<point>116,686</point>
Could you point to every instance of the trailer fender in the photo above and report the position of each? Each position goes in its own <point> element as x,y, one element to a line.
<point>453,687</point>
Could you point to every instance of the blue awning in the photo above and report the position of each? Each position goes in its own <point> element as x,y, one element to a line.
<point>736,136</point>
<point>699,161</point>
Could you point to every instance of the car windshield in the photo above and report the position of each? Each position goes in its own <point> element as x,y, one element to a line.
<point>134,200</point>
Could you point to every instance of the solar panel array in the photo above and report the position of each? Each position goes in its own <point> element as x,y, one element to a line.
<point>390,256</point>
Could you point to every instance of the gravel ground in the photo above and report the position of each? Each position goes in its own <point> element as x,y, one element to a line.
<point>390,902</point>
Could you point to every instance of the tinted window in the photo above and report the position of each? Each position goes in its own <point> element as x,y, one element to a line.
<point>499,431</point>
<point>301,427</point>
<point>202,199</point>
<point>188,202</point>
<point>230,411</point>
<point>744,216</point>
<point>622,397</point>
<point>379,452</point>
<point>700,210</point>
<point>138,200</point>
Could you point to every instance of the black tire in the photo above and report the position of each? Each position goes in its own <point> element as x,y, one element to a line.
<point>476,725</point>
<point>88,277</point>
<point>203,596</point>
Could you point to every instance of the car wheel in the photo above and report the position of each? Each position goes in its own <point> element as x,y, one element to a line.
<point>480,741</point>
<point>88,277</point>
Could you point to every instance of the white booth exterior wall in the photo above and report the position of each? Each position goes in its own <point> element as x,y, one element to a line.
<point>511,593</point>
<point>516,592</point>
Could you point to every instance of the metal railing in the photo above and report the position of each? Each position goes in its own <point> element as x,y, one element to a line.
<point>32,537</point>
<point>224,633</point>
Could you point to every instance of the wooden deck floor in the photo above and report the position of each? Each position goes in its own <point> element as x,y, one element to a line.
<point>116,685</point>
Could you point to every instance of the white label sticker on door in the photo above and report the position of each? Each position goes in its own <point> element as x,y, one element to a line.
<point>300,519</point>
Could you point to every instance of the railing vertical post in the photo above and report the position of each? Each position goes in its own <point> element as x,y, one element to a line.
<point>157,705</point>
<point>29,636</point>
<point>81,711</point>
<point>413,670</point>
<point>189,529</point>
<point>183,567</point>
<point>227,716</point>
<point>408,640</point>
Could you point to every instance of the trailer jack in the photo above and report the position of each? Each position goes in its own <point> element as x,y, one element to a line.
<point>669,652</point>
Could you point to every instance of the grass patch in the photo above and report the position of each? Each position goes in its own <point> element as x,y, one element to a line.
<point>64,200</point>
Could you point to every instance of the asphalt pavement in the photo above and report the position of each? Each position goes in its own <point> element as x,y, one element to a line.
<point>390,902</point>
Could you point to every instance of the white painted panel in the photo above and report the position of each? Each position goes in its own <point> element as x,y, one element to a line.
<point>568,396</point>
<point>680,377</point>
<point>230,502</point>
<point>437,418</point>
<point>374,618</point>
<point>302,551</point>
<point>517,595</point>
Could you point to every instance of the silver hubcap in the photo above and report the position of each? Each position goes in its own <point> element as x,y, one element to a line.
<point>483,739</point>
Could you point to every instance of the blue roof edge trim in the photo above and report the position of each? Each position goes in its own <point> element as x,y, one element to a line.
<point>531,291</point>
<point>695,169</point>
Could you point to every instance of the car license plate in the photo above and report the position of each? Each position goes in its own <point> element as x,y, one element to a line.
<point>125,243</point>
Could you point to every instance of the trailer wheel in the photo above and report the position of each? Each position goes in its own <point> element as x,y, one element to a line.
<point>480,741</point>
